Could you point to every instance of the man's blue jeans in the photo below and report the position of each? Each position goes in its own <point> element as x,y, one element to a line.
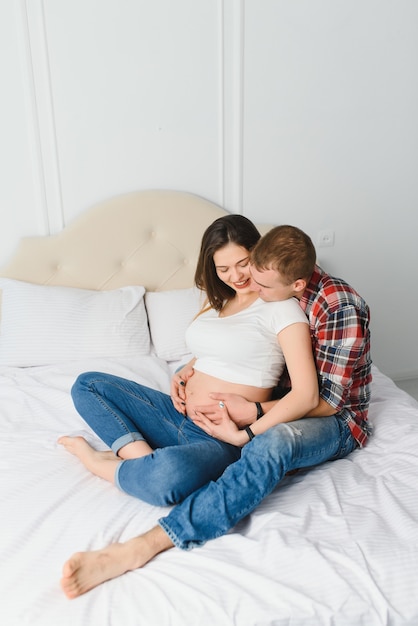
<point>185,458</point>
<point>218,506</point>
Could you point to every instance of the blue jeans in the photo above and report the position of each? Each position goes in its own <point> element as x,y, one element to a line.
<point>185,458</point>
<point>218,506</point>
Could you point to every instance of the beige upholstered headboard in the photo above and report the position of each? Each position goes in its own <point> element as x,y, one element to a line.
<point>149,238</point>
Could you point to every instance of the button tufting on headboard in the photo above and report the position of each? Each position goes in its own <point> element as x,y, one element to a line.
<point>149,238</point>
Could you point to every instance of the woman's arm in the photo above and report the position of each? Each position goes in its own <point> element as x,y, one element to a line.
<point>303,396</point>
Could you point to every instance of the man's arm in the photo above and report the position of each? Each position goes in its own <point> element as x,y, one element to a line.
<point>244,413</point>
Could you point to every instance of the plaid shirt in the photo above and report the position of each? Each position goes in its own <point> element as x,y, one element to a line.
<point>339,324</point>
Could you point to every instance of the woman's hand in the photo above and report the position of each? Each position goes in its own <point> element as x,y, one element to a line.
<point>240,410</point>
<point>178,386</point>
<point>223,428</point>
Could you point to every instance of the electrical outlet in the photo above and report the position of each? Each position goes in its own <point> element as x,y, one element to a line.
<point>326,238</point>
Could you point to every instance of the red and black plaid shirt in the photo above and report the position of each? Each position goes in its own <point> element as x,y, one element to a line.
<point>339,323</point>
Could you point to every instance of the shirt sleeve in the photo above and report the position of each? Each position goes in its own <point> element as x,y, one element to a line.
<point>340,341</point>
<point>284,313</point>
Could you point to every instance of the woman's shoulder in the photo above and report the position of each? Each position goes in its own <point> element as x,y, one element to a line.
<point>289,308</point>
<point>291,304</point>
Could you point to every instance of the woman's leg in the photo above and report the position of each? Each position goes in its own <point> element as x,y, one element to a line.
<point>123,412</point>
<point>109,405</point>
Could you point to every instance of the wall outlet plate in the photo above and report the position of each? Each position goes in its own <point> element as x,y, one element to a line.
<point>326,238</point>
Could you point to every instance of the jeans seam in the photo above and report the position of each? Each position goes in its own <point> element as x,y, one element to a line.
<point>140,398</point>
<point>106,406</point>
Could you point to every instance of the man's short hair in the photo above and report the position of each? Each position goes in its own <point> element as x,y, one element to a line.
<point>288,250</point>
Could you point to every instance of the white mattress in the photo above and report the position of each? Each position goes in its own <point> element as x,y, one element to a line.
<point>336,545</point>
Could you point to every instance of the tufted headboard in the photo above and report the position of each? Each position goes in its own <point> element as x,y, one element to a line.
<point>149,238</point>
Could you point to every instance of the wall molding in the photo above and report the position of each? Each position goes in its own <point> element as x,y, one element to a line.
<point>42,114</point>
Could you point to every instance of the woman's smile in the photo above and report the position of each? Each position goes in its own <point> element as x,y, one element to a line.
<point>242,284</point>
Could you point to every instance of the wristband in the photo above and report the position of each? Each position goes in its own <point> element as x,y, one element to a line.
<point>260,411</point>
<point>249,433</point>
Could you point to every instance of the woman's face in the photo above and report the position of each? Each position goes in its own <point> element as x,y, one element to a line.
<point>232,263</point>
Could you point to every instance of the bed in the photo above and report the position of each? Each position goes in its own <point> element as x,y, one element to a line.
<point>336,545</point>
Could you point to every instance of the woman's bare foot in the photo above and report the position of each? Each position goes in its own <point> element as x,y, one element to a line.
<point>100,463</point>
<point>86,570</point>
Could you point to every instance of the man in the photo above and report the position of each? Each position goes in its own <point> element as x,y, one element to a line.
<point>282,266</point>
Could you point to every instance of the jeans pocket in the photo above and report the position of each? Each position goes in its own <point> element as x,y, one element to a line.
<point>347,441</point>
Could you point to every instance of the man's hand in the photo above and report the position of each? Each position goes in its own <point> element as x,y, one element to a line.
<point>240,411</point>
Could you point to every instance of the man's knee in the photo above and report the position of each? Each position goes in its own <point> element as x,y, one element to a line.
<point>273,444</point>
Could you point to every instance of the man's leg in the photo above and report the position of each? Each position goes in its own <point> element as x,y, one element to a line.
<point>218,506</point>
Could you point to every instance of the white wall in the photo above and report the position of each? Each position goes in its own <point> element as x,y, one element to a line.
<point>288,111</point>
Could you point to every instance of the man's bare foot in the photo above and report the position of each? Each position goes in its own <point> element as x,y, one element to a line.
<point>86,570</point>
<point>100,463</point>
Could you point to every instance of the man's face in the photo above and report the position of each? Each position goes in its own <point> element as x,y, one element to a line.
<point>270,285</point>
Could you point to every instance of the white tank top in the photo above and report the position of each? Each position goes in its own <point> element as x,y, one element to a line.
<point>243,348</point>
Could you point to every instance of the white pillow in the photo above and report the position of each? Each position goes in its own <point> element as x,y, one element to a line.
<point>42,324</point>
<point>169,315</point>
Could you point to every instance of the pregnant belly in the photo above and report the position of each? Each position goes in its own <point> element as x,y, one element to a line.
<point>200,385</point>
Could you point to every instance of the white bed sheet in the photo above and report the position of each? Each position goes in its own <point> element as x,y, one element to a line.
<point>336,545</point>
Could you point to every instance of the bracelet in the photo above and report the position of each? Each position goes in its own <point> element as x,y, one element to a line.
<point>260,411</point>
<point>249,433</point>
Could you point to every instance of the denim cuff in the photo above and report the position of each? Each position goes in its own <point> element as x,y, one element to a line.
<point>117,483</point>
<point>124,440</point>
<point>183,545</point>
